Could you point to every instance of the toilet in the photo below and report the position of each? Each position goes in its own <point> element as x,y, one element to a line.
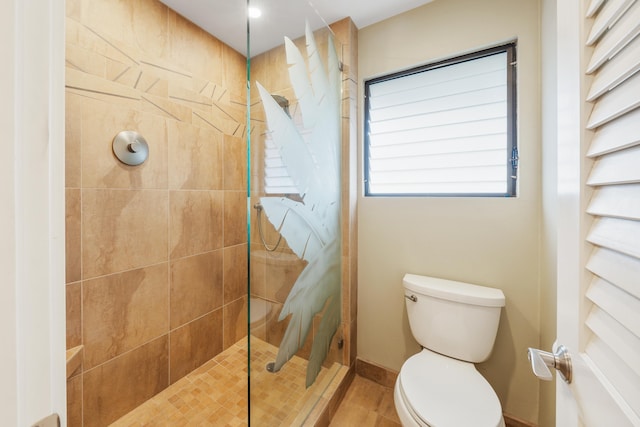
<point>456,325</point>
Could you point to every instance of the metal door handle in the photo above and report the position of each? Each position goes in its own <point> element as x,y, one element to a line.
<point>541,361</point>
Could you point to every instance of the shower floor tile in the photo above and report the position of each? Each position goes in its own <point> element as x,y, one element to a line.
<point>216,394</point>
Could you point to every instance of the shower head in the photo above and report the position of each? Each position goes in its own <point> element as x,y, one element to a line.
<point>283,103</point>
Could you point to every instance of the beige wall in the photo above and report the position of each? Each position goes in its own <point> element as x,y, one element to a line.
<point>488,241</point>
<point>155,283</point>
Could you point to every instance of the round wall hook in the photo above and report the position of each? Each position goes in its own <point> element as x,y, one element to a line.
<point>130,148</point>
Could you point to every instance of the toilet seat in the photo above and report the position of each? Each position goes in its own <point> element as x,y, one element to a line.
<point>439,391</point>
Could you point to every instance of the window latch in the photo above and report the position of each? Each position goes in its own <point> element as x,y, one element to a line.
<point>514,162</point>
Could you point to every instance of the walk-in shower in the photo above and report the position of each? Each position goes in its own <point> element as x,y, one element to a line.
<point>213,283</point>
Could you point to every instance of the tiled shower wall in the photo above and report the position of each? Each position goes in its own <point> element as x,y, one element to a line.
<point>156,253</point>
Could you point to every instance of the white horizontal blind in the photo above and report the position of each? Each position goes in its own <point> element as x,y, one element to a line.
<point>276,176</point>
<point>441,131</point>
<point>614,318</point>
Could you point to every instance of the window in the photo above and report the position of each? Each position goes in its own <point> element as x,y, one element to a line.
<point>444,129</point>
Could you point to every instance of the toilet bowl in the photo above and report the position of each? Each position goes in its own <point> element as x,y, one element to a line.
<point>456,325</point>
<point>435,390</point>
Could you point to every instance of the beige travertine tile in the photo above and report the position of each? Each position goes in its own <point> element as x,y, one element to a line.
<point>235,217</point>
<point>164,107</point>
<point>173,72</point>
<point>73,237</point>
<point>74,401</point>
<point>218,120</point>
<point>90,84</point>
<point>235,71</point>
<point>73,135</point>
<point>87,38</point>
<point>195,343</point>
<point>366,404</point>
<point>234,106</point>
<point>235,321</point>
<point>196,286</point>
<point>123,311</point>
<point>195,222</point>
<point>194,49</point>
<point>235,163</point>
<point>74,314</point>
<point>235,272</point>
<point>116,387</point>
<point>257,271</point>
<point>85,60</point>
<point>141,24</point>
<point>101,122</point>
<point>216,393</point>
<point>122,73</point>
<point>73,9</point>
<point>123,229</point>
<point>190,98</point>
<point>196,157</point>
<point>153,85</point>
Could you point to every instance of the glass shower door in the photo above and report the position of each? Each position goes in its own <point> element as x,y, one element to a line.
<point>294,201</point>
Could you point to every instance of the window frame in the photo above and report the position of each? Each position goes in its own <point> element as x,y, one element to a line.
<point>512,159</point>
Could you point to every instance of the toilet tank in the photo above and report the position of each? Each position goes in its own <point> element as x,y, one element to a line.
<point>459,320</point>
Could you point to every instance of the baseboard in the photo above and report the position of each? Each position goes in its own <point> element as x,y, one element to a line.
<point>376,373</point>
<point>511,421</point>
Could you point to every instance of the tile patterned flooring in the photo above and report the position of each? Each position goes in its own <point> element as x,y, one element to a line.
<point>366,404</point>
<point>216,393</point>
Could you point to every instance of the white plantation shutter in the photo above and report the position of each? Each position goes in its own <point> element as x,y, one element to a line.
<point>613,320</point>
<point>443,130</point>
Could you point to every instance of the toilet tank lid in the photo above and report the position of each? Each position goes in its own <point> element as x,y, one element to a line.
<point>454,291</point>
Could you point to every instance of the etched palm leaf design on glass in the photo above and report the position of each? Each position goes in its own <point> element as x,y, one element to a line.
<point>311,227</point>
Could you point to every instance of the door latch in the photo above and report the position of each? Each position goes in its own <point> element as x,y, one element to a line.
<point>541,361</point>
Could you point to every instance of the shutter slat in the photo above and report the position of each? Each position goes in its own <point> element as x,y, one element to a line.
<point>439,161</point>
<point>439,76</point>
<point>455,145</point>
<point>455,116</point>
<point>610,12</point>
<point>470,187</point>
<point>617,234</point>
<point>625,29</point>
<point>619,306</point>
<point>615,336</point>
<point>616,71</point>
<point>620,201</point>
<point>480,97</point>
<point>460,130</point>
<point>619,134</point>
<point>623,99</point>
<point>594,5</point>
<point>619,167</point>
<point>622,378</point>
<point>434,176</point>
<point>484,81</point>
<point>616,268</point>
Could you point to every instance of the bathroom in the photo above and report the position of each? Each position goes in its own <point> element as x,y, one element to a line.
<point>505,243</point>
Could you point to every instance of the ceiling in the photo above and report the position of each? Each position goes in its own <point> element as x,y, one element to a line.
<point>226,19</point>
